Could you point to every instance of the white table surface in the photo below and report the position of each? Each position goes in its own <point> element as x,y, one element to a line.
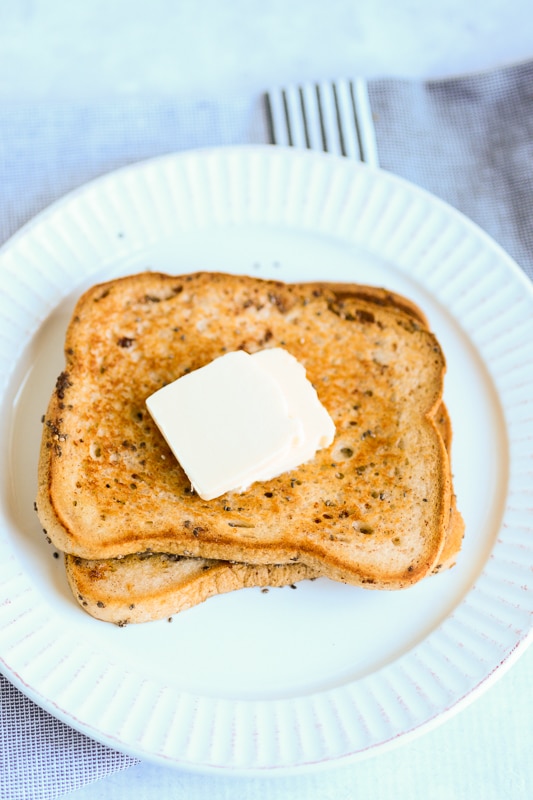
<point>203,49</point>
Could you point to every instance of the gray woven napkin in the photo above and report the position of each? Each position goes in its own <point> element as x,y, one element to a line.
<point>468,140</point>
<point>41,757</point>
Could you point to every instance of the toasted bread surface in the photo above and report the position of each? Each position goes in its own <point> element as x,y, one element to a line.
<point>142,588</point>
<point>147,587</point>
<point>151,586</point>
<point>373,509</point>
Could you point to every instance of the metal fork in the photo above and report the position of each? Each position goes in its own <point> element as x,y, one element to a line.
<point>334,117</point>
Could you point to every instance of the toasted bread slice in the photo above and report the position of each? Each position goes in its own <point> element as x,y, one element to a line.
<point>146,587</point>
<point>372,510</point>
<point>456,527</point>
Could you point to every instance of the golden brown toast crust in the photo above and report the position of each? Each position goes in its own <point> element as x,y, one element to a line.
<point>142,588</point>
<point>147,587</point>
<point>372,510</point>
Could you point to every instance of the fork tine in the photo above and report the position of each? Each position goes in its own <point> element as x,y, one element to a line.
<point>277,120</point>
<point>347,121</point>
<point>329,117</point>
<point>334,117</point>
<point>365,122</point>
<point>296,122</point>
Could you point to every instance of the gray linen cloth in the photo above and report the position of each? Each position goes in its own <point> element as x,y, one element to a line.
<point>468,140</point>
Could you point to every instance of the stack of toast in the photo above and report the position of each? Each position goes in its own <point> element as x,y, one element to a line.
<point>375,509</point>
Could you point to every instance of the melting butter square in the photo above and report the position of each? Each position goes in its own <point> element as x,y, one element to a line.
<point>241,419</point>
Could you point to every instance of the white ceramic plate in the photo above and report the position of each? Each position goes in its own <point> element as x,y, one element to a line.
<point>253,682</point>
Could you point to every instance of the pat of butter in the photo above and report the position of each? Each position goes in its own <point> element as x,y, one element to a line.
<point>303,403</point>
<point>240,419</point>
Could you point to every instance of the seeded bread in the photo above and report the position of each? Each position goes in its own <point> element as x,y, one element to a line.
<point>373,509</point>
<point>146,587</point>
<point>456,527</point>
<point>151,586</point>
